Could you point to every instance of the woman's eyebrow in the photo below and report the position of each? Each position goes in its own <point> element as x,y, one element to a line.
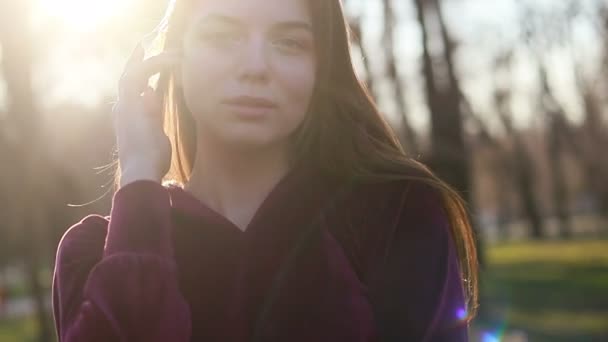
<point>218,19</point>
<point>279,26</point>
<point>292,25</point>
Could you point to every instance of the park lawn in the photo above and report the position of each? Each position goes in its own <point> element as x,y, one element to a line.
<point>551,290</point>
<point>23,330</point>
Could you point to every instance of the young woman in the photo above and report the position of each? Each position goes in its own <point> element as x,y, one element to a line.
<point>293,214</point>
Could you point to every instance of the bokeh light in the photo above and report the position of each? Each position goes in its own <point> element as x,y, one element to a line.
<point>489,337</point>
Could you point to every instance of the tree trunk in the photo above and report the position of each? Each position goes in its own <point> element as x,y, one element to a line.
<point>355,26</point>
<point>450,157</point>
<point>521,167</point>
<point>408,134</point>
<point>524,171</point>
<point>558,179</point>
<point>558,130</point>
<point>16,66</point>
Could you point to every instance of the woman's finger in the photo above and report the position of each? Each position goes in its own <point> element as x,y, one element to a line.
<point>135,79</point>
<point>152,103</point>
<point>156,64</point>
<point>136,56</point>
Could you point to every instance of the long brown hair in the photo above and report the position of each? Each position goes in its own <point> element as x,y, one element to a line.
<point>343,134</point>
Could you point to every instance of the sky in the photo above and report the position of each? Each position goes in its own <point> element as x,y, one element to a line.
<point>481,27</point>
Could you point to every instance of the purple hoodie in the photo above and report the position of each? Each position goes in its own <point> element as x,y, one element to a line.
<point>377,263</point>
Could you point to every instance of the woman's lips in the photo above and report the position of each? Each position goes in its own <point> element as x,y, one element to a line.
<point>250,107</point>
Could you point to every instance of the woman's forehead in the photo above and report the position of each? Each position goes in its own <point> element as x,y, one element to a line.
<point>253,11</point>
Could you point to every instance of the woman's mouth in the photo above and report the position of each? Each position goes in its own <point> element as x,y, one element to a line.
<point>249,107</point>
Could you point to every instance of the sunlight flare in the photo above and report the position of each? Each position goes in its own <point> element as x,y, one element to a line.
<point>81,15</point>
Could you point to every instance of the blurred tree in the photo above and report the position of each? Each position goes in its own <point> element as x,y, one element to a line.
<point>28,173</point>
<point>558,131</point>
<point>542,33</point>
<point>450,156</point>
<point>8,157</point>
<point>593,139</point>
<point>595,129</point>
<point>357,33</point>
<point>519,166</point>
<point>408,134</point>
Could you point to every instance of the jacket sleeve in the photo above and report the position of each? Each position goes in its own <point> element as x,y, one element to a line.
<point>415,287</point>
<point>116,280</point>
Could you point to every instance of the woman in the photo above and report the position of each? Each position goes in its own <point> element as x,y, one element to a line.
<point>293,213</point>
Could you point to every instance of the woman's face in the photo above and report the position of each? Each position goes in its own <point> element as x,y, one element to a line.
<point>248,69</point>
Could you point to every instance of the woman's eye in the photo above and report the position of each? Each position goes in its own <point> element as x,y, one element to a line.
<point>290,44</point>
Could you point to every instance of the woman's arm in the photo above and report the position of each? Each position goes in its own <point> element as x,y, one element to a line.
<point>116,280</point>
<point>415,284</point>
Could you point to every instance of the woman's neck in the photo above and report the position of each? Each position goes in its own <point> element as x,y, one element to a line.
<point>235,183</point>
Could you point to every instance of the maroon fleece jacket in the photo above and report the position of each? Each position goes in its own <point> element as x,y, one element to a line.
<point>375,262</point>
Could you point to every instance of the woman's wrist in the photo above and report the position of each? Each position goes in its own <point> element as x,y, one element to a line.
<point>134,172</point>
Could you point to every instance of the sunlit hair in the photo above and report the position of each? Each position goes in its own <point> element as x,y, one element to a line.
<point>343,134</point>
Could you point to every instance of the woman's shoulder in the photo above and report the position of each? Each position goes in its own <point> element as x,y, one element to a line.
<point>84,238</point>
<point>396,195</point>
<point>377,213</point>
<point>409,238</point>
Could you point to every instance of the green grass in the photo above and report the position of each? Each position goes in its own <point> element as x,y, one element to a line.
<point>552,290</point>
<point>23,330</point>
<point>21,289</point>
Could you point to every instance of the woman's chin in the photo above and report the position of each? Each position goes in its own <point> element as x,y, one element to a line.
<point>245,136</point>
<point>250,141</point>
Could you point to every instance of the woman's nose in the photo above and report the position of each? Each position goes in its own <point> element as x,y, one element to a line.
<point>255,61</point>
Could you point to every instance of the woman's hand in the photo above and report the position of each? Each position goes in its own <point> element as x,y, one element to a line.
<point>144,151</point>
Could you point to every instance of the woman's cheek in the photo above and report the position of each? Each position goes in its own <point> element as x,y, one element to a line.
<point>206,66</point>
<point>201,75</point>
<point>299,80</point>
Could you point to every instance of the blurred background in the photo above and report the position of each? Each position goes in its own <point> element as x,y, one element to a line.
<point>505,99</point>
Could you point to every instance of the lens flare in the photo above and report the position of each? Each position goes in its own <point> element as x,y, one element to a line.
<point>489,337</point>
<point>461,314</point>
<point>81,15</point>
